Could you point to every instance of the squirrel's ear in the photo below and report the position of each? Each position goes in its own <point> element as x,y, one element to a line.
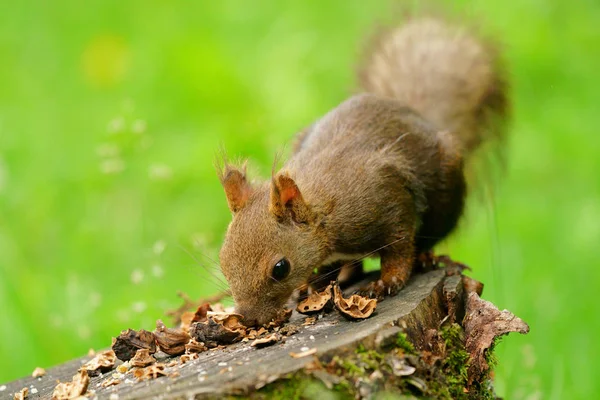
<point>286,199</point>
<point>237,188</point>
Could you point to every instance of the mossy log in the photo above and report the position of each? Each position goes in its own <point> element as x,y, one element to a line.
<point>414,344</point>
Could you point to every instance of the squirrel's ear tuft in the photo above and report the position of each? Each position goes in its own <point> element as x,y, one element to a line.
<point>286,200</point>
<point>237,188</point>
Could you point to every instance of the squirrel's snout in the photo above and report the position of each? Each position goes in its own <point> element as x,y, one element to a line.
<point>252,317</point>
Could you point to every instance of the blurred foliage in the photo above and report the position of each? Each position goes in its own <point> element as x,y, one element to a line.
<point>111,113</point>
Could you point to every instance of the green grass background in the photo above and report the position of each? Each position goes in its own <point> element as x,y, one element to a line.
<point>111,113</point>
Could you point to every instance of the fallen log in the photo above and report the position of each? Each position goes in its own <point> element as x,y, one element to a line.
<point>432,339</point>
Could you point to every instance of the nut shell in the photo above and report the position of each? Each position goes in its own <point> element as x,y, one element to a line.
<point>171,341</point>
<point>212,333</point>
<point>130,341</point>
<point>316,302</point>
<point>354,307</point>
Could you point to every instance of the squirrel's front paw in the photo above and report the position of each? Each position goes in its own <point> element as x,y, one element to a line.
<point>379,289</point>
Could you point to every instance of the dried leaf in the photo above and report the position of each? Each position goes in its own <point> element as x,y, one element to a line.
<point>130,341</point>
<point>38,372</point>
<point>483,323</point>
<point>142,359</point>
<point>69,390</point>
<point>316,302</point>
<point>102,362</point>
<point>266,341</point>
<point>170,340</point>
<point>354,307</point>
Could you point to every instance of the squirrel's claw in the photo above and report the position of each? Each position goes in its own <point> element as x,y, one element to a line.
<point>380,289</point>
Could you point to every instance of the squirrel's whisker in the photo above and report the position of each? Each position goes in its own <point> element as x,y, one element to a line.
<point>210,259</point>
<point>223,284</point>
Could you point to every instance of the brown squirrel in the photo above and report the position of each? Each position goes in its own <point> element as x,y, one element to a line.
<point>380,174</point>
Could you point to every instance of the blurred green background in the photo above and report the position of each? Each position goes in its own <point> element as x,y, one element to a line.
<point>111,113</point>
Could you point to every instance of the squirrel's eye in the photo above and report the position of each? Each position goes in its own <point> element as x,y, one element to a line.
<point>281,269</point>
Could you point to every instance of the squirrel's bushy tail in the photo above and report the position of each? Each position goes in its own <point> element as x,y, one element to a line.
<point>445,73</point>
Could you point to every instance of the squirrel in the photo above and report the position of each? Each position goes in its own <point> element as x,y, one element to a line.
<point>380,174</point>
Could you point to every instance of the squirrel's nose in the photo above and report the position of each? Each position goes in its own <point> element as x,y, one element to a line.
<point>250,317</point>
<point>247,318</point>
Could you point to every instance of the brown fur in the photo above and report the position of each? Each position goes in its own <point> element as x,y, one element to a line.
<point>380,174</point>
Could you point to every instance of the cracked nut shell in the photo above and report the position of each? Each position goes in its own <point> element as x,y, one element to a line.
<point>316,302</point>
<point>354,307</point>
<point>130,341</point>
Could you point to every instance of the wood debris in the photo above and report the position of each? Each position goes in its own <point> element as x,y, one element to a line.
<point>38,372</point>
<point>483,323</point>
<point>472,285</point>
<point>306,353</point>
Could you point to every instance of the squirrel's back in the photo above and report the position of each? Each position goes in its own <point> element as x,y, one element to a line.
<point>445,73</point>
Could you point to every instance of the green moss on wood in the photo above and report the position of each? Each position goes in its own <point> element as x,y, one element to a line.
<point>403,343</point>
<point>456,363</point>
<point>373,370</point>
